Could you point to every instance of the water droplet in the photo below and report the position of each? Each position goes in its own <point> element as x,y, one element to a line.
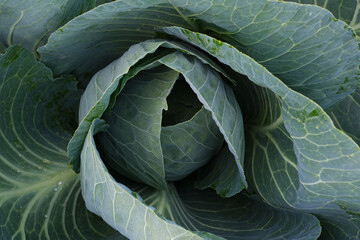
<point>46,216</point>
<point>59,183</point>
<point>57,133</point>
<point>21,207</point>
<point>17,170</point>
<point>55,189</point>
<point>46,161</point>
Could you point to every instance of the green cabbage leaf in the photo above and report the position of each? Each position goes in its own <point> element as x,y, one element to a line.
<point>174,119</point>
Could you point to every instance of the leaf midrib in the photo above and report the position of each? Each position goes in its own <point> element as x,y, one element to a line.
<point>43,183</point>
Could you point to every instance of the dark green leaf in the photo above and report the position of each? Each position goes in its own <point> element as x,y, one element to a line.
<point>29,23</point>
<point>39,193</point>
<point>346,116</point>
<point>105,33</point>
<point>220,174</point>
<point>239,217</point>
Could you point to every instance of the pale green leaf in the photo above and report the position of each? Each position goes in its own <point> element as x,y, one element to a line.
<point>300,44</point>
<point>104,83</point>
<point>279,178</point>
<point>132,142</point>
<point>217,97</point>
<point>300,160</point>
<point>135,124</point>
<point>121,208</point>
<point>189,145</point>
<point>240,217</point>
<point>346,10</point>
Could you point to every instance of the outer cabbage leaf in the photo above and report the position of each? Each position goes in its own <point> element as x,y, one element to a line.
<point>291,40</point>
<point>346,10</point>
<point>99,18</point>
<point>314,167</point>
<point>106,32</point>
<point>346,115</point>
<point>311,52</point>
<point>239,217</point>
<point>39,193</point>
<point>300,44</point>
<point>20,22</point>
<point>100,2</point>
<point>271,150</point>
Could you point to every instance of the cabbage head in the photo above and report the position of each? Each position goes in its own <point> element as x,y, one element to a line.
<point>179,119</point>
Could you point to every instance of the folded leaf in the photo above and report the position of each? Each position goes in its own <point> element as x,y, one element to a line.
<point>300,44</point>
<point>96,98</point>
<point>192,79</point>
<point>218,98</point>
<point>189,145</point>
<point>220,174</point>
<point>132,142</point>
<point>121,23</point>
<point>238,217</point>
<point>313,167</point>
<point>106,84</point>
<point>234,218</point>
<point>103,195</point>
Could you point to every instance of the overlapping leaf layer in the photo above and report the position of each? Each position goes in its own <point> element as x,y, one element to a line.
<point>232,119</point>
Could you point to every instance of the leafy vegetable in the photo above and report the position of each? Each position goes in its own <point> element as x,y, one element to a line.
<point>164,119</point>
